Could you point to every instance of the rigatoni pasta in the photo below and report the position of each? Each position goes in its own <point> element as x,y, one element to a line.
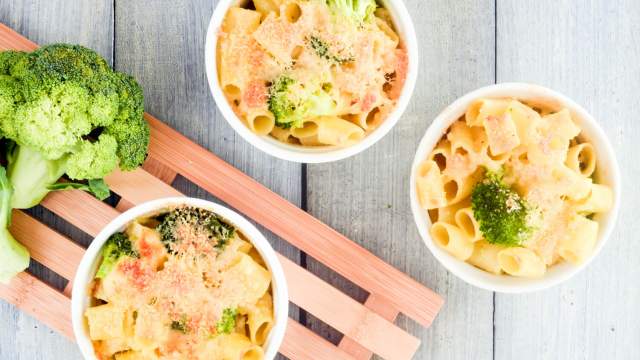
<point>312,72</point>
<point>510,189</point>
<point>183,283</point>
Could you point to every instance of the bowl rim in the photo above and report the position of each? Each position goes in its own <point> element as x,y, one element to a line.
<point>273,147</point>
<point>605,155</point>
<point>88,266</point>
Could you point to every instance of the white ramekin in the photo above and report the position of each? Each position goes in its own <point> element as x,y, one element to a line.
<point>271,146</point>
<point>88,266</point>
<point>607,172</point>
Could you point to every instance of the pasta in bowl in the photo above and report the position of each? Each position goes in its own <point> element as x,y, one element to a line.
<point>514,188</point>
<point>311,80</point>
<point>179,278</point>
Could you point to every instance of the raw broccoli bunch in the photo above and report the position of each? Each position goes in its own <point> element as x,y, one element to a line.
<point>63,110</point>
<point>357,10</point>
<point>67,112</point>
<point>196,220</point>
<point>291,102</point>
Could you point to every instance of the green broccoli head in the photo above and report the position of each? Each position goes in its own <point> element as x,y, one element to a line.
<point>292,102</point>
<point>500,211</point>
<point>70,92</point>
<point>117,247</point>
<point>66,103</point>
<point>199,220</point>
<point>227,322</point>
<point>358,10</point>
<point>93,160</point>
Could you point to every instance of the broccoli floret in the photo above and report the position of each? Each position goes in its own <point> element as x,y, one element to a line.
<point>129,128</point>
<point>46,68</point>
<point>10,95</point>
<point>500,211</point>
<point>292,102</point>
<point>117,247</point>
<point>93,160</point>
<point>53,124</point>
<point>200,220</point>
<point>357,10</point>
<point>14,257</point>
<point>181,325</point>
<point>75,115</point>
<point>8,59</point>
<point>227,322</point>
<point>322,50</point>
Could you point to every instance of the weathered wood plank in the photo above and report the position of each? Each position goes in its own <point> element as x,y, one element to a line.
<point>90,23</point>
<point>367,197</point>
<point>588,50</point>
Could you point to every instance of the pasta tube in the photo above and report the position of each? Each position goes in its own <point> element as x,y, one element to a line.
<point>452,239</point>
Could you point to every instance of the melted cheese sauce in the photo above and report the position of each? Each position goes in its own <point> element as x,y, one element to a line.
<point>368,75</point>
<point>175,299</point>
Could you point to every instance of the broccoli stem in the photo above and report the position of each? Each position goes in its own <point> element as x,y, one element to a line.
<point>31,176</point>
<point>14,257</point>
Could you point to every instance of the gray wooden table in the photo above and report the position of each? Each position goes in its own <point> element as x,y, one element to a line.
<point>589,50</point>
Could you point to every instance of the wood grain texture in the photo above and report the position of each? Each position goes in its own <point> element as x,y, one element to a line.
<point>589,51</point>
<point>62,258</point>
<point>87,22</point>
<point>366,197</point>
<point>380,306</point>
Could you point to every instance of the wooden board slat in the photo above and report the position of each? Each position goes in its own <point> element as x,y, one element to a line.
<point>383,308</point>
<point>301,343</point>
<point>10,40</point>
<point>46,246</point>
<point>360,324</point>
<point>156,169</point>
<point>80,209</point>
<point>41,301</point>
